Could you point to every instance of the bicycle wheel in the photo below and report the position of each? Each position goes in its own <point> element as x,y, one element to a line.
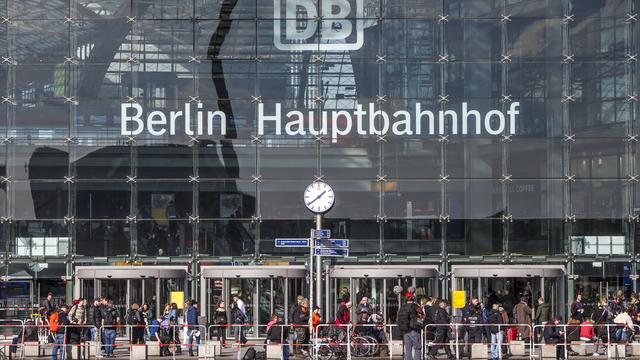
<point>372,345</point>
<point>325,352</point>
<point>359,347</point>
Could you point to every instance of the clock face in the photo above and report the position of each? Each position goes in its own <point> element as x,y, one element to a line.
<point>319,197</point>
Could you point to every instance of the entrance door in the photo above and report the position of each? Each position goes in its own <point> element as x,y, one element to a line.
<point>508,285</point>
<point>128,285</point>
<point>383,286</point>
<point>265,290</point>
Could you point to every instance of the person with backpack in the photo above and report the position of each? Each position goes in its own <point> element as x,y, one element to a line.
<point>409,327</point>
<point>441,319</point>
<point>78,318</point>
<point>109,321</point>
<point>58,322</point>
<point>135,320</point>
<point>239,314</point>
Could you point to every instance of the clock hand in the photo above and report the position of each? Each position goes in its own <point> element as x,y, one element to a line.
<point>319,196</point>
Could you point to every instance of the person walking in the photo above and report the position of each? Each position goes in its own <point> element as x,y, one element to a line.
<point>192,326</point>
<point>239,314</point>
<point>58,322</point>
<point>441,320</point>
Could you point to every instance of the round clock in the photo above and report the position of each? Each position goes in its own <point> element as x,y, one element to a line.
<point>319,197</point>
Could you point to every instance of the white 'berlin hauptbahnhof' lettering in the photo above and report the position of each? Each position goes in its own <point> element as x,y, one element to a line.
<point>335,123</point>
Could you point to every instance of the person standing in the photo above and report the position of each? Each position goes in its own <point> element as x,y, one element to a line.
<point>94,319</point>
<point>58,322</point>
<point>109,322</point>
<point>470,318</point>
<point>343,314</point>
<point>301,323</point>
<point>221,322</point>
<point>77,316</point>
<point>577,308</point>
<point>553,334</point>
<point>495,320</point>
<point>192,322</point>
<point>47,307</point>
<point>277,333</point>
<point>522,315</point>
<point>542,316</point>
<point>409,327</point>
<point>136,321</point>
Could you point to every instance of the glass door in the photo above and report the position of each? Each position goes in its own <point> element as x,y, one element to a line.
<point>116,289</point>
<point>247,290</point>
<point>265,305</point>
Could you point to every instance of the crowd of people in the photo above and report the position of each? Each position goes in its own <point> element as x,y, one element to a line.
<point>499,320</point>
<point>503,318</point>
<point>100,321</point>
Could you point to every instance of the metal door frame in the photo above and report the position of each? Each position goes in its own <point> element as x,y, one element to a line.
<point>255,272</point>
<point>542,272</point>
<point>384,272</point>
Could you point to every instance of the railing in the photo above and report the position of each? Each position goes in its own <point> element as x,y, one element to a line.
<point>492,338</point>
<point>609,336</point>
<point>324,341</point>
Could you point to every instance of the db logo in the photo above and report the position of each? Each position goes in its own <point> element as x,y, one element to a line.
<point>337,25</point>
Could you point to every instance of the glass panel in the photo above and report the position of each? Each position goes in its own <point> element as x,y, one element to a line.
<point>265,305</point>
<point>117,291</point>
<point>246,289</point>
<point>103,238</point>
<point>214,296</point>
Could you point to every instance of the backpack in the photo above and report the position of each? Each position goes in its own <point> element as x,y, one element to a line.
<point>250,354</point>
<point>54,322</point>
<point>405,318</point>
<point>108,317</point>
<point>133,318</point>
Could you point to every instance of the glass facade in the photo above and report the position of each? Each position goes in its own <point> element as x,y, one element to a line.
<point>563,189</point>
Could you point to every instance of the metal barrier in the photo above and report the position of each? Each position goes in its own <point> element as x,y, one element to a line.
<point>243,340</point>
<point>357,340</point>
<point>326,340</point>
<point>439,336</point>
<point>605,335</point>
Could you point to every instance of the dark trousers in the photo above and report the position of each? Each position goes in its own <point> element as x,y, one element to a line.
<point>441,340</point>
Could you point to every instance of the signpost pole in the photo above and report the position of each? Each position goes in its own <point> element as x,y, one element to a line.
<point>318,266</point>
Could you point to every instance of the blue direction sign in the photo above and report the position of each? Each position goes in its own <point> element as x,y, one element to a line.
<point>332,252</point>
<point>322,234</point>
<point>332,243</point>
<point>292,242</point>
